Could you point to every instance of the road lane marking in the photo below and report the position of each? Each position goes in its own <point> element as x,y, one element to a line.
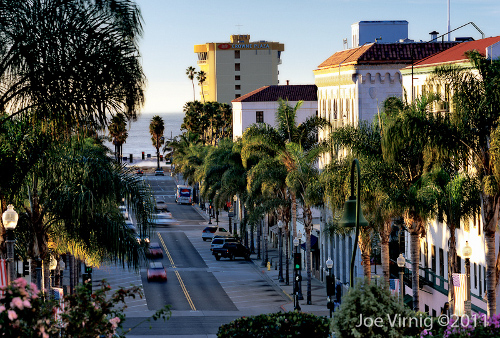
<point>181,282</point>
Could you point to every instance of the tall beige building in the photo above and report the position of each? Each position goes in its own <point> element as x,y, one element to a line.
<point>237,67</point>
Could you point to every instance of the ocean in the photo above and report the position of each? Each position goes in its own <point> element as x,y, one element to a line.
<point>139,138</point>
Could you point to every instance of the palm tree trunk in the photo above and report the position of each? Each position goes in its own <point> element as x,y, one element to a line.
<point>452,264</point>
<point>490,272</point>
<point>294,213</point>
<point>490,217</point>
<point>194,93</point>
<point>258,241</point>
<point>71,262</point>
<point>46,274</point>
<point>365,248</point>
<point>308,264</point>
<point>415,261</point>
<point>384,252</point>
<point>287,254</point>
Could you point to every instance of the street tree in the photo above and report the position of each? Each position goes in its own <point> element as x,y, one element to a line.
<point>191,72</point>
<point>201,76</point>
<point>118,132</point>
<point>156,129</point>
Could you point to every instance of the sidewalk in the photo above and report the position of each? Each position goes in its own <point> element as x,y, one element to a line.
<point>318,289</point>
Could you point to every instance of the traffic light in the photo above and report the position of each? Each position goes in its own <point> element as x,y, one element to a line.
<point>297,261</point>
<point>88,269</point>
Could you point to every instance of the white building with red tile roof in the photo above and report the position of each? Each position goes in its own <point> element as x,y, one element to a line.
<point>260,105</point>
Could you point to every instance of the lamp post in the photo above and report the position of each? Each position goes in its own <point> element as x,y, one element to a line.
<point>299,236</point>
<point>467,253</point>
<point>296,305</point>
<point>9,220</point>
<point>353,215</point>
<point>401,263</point>
<point>280,248</point>
<point>330,286</point>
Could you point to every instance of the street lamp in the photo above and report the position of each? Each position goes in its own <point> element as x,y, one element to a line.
<point>296,305</point>
<point>280,246</point>
<point>353,216</point>
<point>9,220</point>
<point>330,286</point>
<point>401,263</point>
<point>467,253</point>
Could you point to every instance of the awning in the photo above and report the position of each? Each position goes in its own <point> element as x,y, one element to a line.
<point>314,243</point>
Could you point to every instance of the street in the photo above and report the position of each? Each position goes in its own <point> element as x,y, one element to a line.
<point>203,293</point>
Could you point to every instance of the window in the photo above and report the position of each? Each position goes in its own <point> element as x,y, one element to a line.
<point>237,87</point>
<point>426,255</point>
<point>475,276</point>
<point>459,264</point>
<point>237,77</point>
<point>236,54</point>
<point>237,95</point>
<point>259,116</point>
<point>433,258</point>
<point>484,278</point>
<point>237,67</point>
<point>441,262</point>
<point>480,285</point>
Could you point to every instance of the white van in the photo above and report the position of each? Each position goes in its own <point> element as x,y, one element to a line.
<point>184,194</point>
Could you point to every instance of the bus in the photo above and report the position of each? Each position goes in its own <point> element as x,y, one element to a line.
<point>184,194</point>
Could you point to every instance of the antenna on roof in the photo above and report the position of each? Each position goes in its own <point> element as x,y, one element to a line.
<point>346,44</point>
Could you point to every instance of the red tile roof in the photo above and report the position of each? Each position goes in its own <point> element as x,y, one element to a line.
<point>457,53</point>
<point>377,53</point>
<point>286,92</point>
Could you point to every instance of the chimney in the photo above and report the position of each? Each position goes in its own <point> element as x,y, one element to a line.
<point>287,82</point>
<point>434,36</point>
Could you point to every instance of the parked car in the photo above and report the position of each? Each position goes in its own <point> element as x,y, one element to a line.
<point>159,172</point>
<point>157,272</point>
<point>160,204</point>
<point>140,172</point>
<point>231,250</point>
<point>218,242</point>
<point>210,231</point>
<point>154,250</point>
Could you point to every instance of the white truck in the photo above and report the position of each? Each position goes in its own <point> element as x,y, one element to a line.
<point>184,194</point>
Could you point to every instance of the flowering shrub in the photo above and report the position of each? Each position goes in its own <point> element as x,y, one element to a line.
<point>25,312</point>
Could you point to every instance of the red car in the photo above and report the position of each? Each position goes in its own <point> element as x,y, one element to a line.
<point>154,250</point>
<point>156,272</point>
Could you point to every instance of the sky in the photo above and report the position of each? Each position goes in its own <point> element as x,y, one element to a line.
<point>311,30</point>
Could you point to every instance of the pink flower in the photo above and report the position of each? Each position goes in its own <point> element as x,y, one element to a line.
<point>17,302</point>
<point>12,314</point>
<point>21,283</point>
<point>2,308</point>
<point>26,303</point>
<point>114,322</point>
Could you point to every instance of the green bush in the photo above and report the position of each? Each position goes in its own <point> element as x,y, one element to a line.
<point>369,310</point>
<point>281,324</point>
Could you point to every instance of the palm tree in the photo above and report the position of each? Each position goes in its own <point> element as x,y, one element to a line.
<point>202,77</point>
<point>303,180</point>
<point>378,178</point>
<point>71,61</point>
<point>156,129</point>
<point>261,141</point>
<point>191,72</point>
<point>118,131</point>
<point>69,204</point>
<point>405,141</point>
